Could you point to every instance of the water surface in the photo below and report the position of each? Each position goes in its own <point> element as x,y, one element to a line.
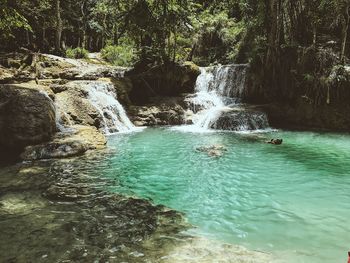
<point>291,200</point>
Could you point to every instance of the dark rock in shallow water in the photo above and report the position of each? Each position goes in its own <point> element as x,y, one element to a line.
<point>67,193</point>
<point>27,117</point>
<point>275,141</point>
<point>55,150</point>
<point>82,222</point>
<point>241,119</point>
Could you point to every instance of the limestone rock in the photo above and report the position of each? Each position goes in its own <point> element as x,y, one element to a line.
<point>170,79</point>
<point>6,75</point>
<point>239,119</point>
<point>74,143</point>
<point>75,108</point>
<point>27,116</point>
<point>162,111</point>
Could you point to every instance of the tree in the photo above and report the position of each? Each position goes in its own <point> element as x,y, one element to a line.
<point>11,20</point>
<point>58,25</point>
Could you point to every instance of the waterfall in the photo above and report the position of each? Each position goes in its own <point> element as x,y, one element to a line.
<point>217,101</point>
<point>102,96</point>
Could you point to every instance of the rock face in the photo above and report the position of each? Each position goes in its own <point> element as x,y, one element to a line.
<point>161,111</point>
<point>74,107</point>
<point>241,119</point>
<point>165,80</point>
<point>27,117</point>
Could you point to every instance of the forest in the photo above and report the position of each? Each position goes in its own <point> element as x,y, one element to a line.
<point>279,37</point>
<point>174,131</point>
<point>204,31</point>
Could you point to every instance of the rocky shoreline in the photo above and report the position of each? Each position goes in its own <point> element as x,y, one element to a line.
<point>49,206</point>
<point>151,95</point>
<point>49,120</point>
<point>62,211</point>
<point>45,103</point>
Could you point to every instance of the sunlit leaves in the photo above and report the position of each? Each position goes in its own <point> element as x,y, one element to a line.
<point>11,20</point>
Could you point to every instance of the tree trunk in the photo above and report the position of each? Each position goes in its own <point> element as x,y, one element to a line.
<point>84,26</point>
<point>43,36</point>
<point>28,39</point>
<point>193,50</point>
<point>84,42</point>
<point>175,46</point>
<point>345,32</point>
<point>58,26</point>
<point>314,33</point>
<point>272,30</point>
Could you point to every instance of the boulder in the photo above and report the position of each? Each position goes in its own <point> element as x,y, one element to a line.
<point>69,144</point>
<point>161,111</point>
<point>27,117</point>
<point>241,119</point>
<point>169,79</point>
<point>74,107</point>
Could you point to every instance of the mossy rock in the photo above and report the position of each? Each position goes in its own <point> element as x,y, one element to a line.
<point>170,79</point>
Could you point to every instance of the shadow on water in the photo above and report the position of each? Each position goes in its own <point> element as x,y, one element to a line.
<point>316,153</point>
<point>309,149</point>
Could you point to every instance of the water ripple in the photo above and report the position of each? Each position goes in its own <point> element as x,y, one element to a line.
<point>291,199</point>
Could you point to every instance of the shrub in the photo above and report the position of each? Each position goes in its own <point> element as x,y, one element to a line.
<point>122,55</point>
<point>77,53</point>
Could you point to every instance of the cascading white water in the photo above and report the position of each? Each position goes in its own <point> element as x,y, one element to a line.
<point>207,103</point>
<point>217,100</point>
<point>103,98</point>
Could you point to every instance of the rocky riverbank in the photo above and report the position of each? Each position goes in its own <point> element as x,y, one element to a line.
<point>47,101</point>
<point>46,205</point>
<point>62,211</point>
<point>53,108</point>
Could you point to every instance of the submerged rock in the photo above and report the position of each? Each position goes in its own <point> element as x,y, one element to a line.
<point>195,250</point>
<point>27,117</point>
<point>82,222</point>
<point>213,150</point>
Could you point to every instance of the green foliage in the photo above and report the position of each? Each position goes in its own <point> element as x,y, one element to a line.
<point>308,77</point>
<point>77,53</point>
<point>203,30</point>
<point>120,55</point>
<point>11,20</point>
<point>217,35</point>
